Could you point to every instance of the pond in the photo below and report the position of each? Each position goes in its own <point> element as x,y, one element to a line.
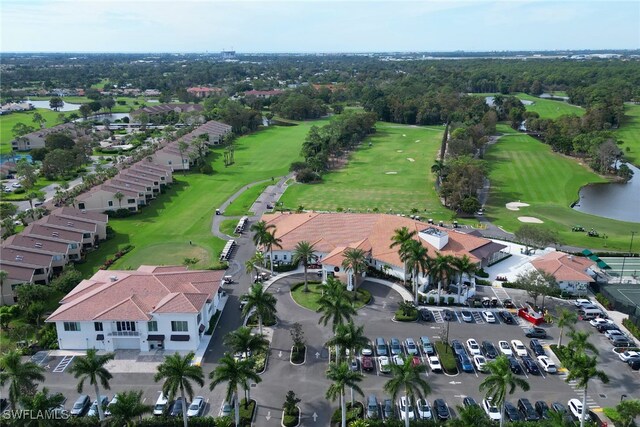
<point>45,104</point>
<point>100,117</point>
<point>612,200</point>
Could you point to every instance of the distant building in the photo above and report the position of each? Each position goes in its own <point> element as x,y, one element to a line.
<point>263,93</point>
<point>572,273</point>
<point>203,92</point>
<point>228,54</point>
<point>36,139</point>
<point>153,110</point>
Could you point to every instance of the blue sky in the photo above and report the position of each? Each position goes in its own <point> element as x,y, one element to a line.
<point>316,26</point>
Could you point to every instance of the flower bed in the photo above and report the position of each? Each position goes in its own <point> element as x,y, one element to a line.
<point>298,355</point>
<point>122,252</point>
<point>291,419</point>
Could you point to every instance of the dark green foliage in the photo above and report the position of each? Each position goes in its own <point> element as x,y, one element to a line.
<point>58,140</point>
<point>67,280</point>
<point>355,411</point>
<point>298,106</point>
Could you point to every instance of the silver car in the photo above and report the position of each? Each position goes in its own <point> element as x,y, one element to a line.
<point>197,407</point>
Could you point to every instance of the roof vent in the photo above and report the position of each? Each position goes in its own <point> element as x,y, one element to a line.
<point>38,245</point>
<point>113,278</point>
<point>55,234</point>
<point>19,257</point>
<point>69,223</point>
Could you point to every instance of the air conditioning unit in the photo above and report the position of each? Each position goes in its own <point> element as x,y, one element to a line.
<point>113,278</point>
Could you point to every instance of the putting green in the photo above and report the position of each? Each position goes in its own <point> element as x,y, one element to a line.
<point>170,253</point>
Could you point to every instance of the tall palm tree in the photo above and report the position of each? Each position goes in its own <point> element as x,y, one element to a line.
<point>584,368</point>
<point>565,318</point>
<point>119,196</point>
<point>128,408</point>
<point>400,239</point>
<point>580,342</point>
<point>341,377</point>
<point>500,382</point>
<point>251,265</point>
<point>334,304</point>
<point>91,367</point>
<point>304,253</point>
<point>417,261</point>
<point>463,266</point>
<point>178,373</point>
<point>438,168</point>
<point>235,373</point>
<point>355,261</point>
<point>269,243</point>
<point>242,340</point>
<point>442,269</point>
<point>262,302</point>
<point>3,277</point>
<point>40,403</point>
<point>406,379</point>
<point>22,376</point>
<point>260,230</point>
<point>348,337</point>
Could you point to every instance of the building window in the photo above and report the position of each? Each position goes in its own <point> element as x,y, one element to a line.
<point>284,257</point>
<point>169,162</point>
<point>199,318</point>
<point>72,326</point>
<point>131,201</point>
<point>126,326</point>
<point>98,326</point>
<point>179,326</point>
<point>152,326</point>
<point>80,205</point>
<point>110,203</point>
<point>275,257</point>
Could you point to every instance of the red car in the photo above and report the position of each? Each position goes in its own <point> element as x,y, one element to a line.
<point>415,361</point>
<point>367,363</point>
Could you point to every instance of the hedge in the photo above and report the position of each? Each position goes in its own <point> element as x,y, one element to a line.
<point>635,331</point>
<point>401,317</point>
<point>355,411</point>
<point>290,420</point>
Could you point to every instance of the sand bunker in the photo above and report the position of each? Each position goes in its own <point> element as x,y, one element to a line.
<point>410,159</point>
<point>404,134</point>
<point>515,206</point>
<point>530,219</point>
<point>392,173</point>
<point>399,151</point>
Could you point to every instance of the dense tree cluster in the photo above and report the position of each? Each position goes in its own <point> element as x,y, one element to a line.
<point>298,105</point>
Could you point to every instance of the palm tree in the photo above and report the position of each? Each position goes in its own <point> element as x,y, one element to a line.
<point>304,253</point>
<point>580,342</point>
<point>182,148</point>
<point>235,373</point>
<point>270,241</point>
<point>91,367</point>
<point>416,258</point>
<point>251,265</point>
<point>3,276</point>
<point>40,403</point>
<point>260,230</point>
<point>119,196</point>
<point>355,261</point>
<point>500,382</point>
<point>128,407</point>
<point>242,340</point>
<point>583,369</point>
<point>470,416</point>
<point>178,372</point>
<point>400,239</point>
<point>334,305</point>
<point>565,318</point>
<point>441,269</point>
<point>438,168</point>
<point>342,377</point>
<point>21,375</point>
<point>348,336</point>
<point>463,266</point>
<point>406,379</point>
<point>260,301</point>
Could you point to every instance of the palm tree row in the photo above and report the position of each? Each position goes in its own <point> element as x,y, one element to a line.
<point>265,236</point>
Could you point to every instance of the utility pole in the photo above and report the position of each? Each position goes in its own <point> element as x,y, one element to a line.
<point>633,233</point>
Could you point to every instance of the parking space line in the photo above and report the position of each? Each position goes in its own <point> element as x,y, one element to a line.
<point>63,364</point>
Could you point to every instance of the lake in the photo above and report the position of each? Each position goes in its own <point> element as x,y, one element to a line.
<point>612,200</point>
<point>45,104</point>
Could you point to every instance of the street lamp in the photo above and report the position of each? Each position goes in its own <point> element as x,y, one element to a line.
<point>633,233</point>
<point>622,397</point>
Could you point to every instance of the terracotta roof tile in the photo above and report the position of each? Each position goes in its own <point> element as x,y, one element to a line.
<point>564,267</point>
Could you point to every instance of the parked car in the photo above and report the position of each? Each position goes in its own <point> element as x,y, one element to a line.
<point>423,409</point>
<point>480,362</point>
<point>107,411</point>
<point>622,342</point>
<point>176,408</point>
<point>384,365</point>
<point>491,410</point>
<point>511,412</point>
<point>441,409</point>
<point>426,315</point>
<point>535,332</point>
<point>93,411</point>
<point>575,408</point>
<point>447,314</point>
<point>197,407</point>
<point>614,333</point>
<point>366,350</point>
<point>603,327</point>
<point>505,348</point>
<point>405,408</point>
<point>415,361</point>
<point>225,410</point>
<point>465,363</point>
<point>394,345</point>
<point>427,346</point>
<point>634,363</point>
<point>547,364</point>
<point>536,347</point>
<point>161,405</point>
<point>387,409</point>
<point>488,317</point>
<point>558,407</point>
<point>434,364</point>
<point>81,406</point>
<point>507,303</point>
<point>519,348</point>
<point>626,355</point>
<point>381,347</point>
<point>398,359</point>
<point>489,350</point>
<point>530,365</point>
<point>457,347</point>
<point>543,409</point>
<point>354,365</point>
<point>367,363</point>
<point>527,410</point>
<point>469,401</point>
<point>506,317</point>
<point>473,347</point>
<point>514,365</point>
<point>373,412</point>
<point>581,302</point>
<point>466,316</point>
<point>600,321</point>
<point>411,347</point>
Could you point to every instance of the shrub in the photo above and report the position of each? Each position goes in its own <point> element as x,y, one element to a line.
<point>483,282</point>
<point>291,411</point>
<point>482,273</point>
<point>260,360</point>
<point>450,300</point>
<point>307,175</point>
<point>206,169</point>
<point>246,412</point>
<point>120,213</point>
<point>635,331</point>
<point>406,316</point>
<point>604,301</point>
<point>447,358</point>
<point>19,191</point>
<point>432,300</point>
<point>354,411</point>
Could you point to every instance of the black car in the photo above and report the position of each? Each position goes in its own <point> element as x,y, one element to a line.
<point>634,363</point>
<point>530,365</point>
<point>469,401</point>
<point>537,348</point>
<point>535,333</point>
<point>527,410</point>
<point>447,314</point>
<point>441,408</point>
<point>506,317</point>
<point>514,365</point>
<point>387,409</point>
<point>426,315</point>
<point>543,409</point>
<point>489,350</point>
<point>176,409</point>
<point>558,407</point>
<point>512,412</point>
<point>607,327</point>
<point>622,342</point>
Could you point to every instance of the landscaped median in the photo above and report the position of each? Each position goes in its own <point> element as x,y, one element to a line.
<point>447,358</point>
<point>310,299</point>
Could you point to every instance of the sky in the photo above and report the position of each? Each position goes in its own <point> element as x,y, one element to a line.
<point>316,26</point>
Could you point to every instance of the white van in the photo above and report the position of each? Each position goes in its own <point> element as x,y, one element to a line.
<point>161,405</point>
<point>590,313</point>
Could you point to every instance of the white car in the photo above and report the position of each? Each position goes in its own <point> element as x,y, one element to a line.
<point>492,410</point>
<point>488,317</point>
<point>547,364</point>
<point>424,410</point>
<point>434,364</point>
<point>383,364</point>
<point>107,411</point>
<point>519,348</point>
<point>624,356</point>
<point>406,409</point>
<point>398,359</point>
<point>480,362</point>
<point>599,321</point>
<point>581,302</point>
<point>505,348</point>
<point>575,407</point>
<point>16,185</point>
<point>473,347</point>
<point>411,347</point>
<point>366,351</point>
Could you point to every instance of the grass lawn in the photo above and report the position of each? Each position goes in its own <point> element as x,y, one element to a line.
<point>10,120</point>
<point>550,109</point>
<point>392,174</point>
<point>161,232</point>
<point>228,226</point>
<point>629,132</point>
<point>241,205</point>
<point>310,299</point>
<point>522,168</point>
<point>131,102</point>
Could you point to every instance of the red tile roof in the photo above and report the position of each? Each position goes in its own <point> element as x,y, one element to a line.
<point>564,267</point>
<point>68,211</point>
